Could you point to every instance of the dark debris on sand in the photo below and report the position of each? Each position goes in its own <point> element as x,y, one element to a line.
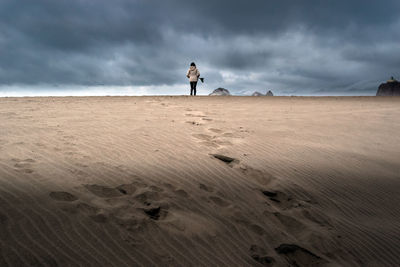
<point>224,158</point>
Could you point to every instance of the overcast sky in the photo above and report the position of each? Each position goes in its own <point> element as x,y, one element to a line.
<point>298,47</point>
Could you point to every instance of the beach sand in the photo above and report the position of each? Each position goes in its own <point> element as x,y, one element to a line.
<point>130,181</point>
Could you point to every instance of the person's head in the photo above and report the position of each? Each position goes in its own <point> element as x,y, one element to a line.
<point>192,64</point>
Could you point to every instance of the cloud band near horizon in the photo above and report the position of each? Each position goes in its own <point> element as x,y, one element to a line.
<point>291,47</point>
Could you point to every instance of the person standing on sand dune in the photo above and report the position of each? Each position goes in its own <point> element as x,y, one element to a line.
<point>193,74</point>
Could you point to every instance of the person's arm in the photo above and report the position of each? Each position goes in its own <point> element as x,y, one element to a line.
<point>198,73</point>
<point>187,74</point>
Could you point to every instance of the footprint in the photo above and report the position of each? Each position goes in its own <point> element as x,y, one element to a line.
<point>194,123</point>
<point>209,144</point>
<point>156,213</point>
<point>223,142</point>
<point>87,209</point>
<point>214,130</point>
<point>205,188</point>
<point>127,189</point>
<point>148,197</point>
<point>280,198</point>
<point>194,115</point>
<point>169,186</point>
<point>203,137</point>
<point>81,165</point>
<point>3,219</point>
<point>242,130</point>
<point>182,193</point>
<point>317,218</point>
<point>257,229</point>
<point>99,218</point>
<point>103,191</point>
<point>258,255</point>
<point>228,135</point>
<point>130,223</point>
<point>271,195</point>
<point>78,172</point>
<point>260,177</point>
<point>219,201</point>
<point>298,256</point>
<point>69,144</point>
<point>156,188</point>
<point>289,222</point>
<point>23,165</point>
<point>92,212</point>
<point>153,213</point>
<point>62,196</point>
<point>19,143</point>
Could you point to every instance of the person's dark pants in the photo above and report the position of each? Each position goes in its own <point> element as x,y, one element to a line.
<point>193,88</point>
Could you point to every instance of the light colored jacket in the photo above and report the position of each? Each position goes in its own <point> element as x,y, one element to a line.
<point>193,74</point>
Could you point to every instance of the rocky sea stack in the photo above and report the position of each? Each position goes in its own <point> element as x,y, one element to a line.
<point>269,93</point>
<point>390,88</point>
<point>220,91</point>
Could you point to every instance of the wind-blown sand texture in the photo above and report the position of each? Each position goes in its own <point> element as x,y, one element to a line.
<point>200,181</point>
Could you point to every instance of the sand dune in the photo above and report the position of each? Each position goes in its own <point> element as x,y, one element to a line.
<point>204,181</point>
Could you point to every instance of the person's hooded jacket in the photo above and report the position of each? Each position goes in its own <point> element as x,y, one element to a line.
<point>193,74</point>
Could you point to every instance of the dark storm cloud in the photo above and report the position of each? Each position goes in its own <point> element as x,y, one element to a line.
<point>290,46</point>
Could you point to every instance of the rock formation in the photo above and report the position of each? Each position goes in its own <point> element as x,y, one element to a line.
<point>220,91</point>
<point>269,93</point>
<point>390,88</point>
